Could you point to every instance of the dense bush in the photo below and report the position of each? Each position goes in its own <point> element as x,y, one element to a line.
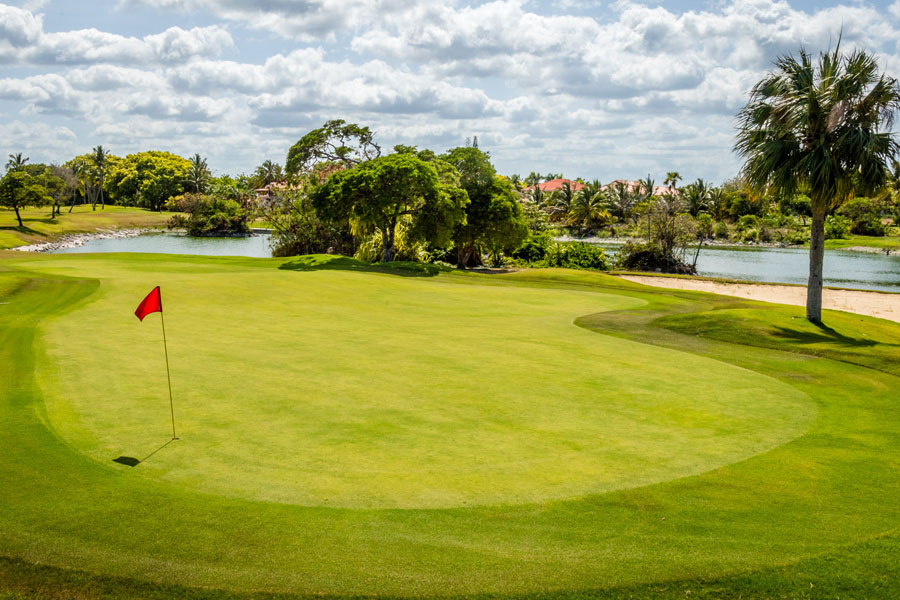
<point>568,255</point>
<point>721,230</point>
<point>705,226</point>
<point>650,257</point>
<point>577,255</point>
<point>750,235</point>
<point>865,215</point>
<point>871,225</point>
<point>837,227</point>
<point>533,249</point>
<point>747,222</point>
<point>209,215</point>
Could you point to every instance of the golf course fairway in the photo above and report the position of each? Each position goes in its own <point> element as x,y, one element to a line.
<point>346,429</point>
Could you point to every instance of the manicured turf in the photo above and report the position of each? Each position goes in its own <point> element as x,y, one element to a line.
<point>362,447</point>
<point>891,241</point>
<point>38,227</point>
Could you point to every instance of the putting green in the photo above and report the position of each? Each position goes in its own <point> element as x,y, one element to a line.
<point>331,388</point>
<point>549,402</point>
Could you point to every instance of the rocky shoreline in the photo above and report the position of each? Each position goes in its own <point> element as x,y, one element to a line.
<point>79,239</point>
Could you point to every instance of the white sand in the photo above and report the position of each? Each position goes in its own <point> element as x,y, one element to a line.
<point>874,304</point>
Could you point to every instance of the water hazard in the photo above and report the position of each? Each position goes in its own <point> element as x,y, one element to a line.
<point>857,270</point>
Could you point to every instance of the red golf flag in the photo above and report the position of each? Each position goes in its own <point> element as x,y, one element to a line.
<point>151,304</point>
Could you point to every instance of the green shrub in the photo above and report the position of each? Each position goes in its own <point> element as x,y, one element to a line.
<point>704,226</point>
<point>837,227</point>
<point>865,213</point>
<point>568,255</point>
<point>649,257</point>
<point>579,255</point>
<point>209,215</point>
<point>747,222</point>
<point>722,230</point>
<point>533,249</point>
<point>750,235</point>
<point>870,226</point>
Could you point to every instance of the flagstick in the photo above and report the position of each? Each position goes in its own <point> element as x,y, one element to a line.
<point>168,375</point>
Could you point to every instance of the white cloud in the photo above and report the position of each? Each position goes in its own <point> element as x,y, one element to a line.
<point>39,141</point>
<point>644,89</point>
<point>303,20</point>
<point>895,9</point>
<point>24,41</point>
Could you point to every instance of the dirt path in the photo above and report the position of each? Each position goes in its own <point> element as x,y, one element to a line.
<point>874,304</point>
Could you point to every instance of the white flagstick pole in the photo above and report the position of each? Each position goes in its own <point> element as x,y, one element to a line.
<point>168,375</point>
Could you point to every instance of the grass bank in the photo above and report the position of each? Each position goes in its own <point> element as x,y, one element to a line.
<point>39,227</point>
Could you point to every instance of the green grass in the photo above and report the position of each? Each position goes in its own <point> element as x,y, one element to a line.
<point>39,227</point>
<point>887,242</point>
<point>411,432</point>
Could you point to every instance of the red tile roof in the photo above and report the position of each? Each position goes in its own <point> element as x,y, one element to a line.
<point>556,184</point>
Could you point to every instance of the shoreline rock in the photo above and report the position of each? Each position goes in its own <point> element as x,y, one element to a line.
<point>79,239</point>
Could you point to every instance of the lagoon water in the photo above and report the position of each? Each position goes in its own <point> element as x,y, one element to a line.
<point>857,270</point>
<point>256,245</point>
<point>843,268</point>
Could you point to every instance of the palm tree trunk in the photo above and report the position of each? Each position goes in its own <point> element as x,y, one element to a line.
<point>816,261</point>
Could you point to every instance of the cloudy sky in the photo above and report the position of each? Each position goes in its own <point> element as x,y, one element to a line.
<point>589,88</point>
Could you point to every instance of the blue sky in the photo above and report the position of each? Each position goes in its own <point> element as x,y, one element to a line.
<point>592,89</point>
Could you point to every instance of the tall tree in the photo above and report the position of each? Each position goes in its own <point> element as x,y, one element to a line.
<point>336,141</point>
<point>99,157</point>
<point>383,191</point>
<point>494,219</point>
<point>78,168</point>
<point>821,124</point>
<point>18,189</point>
<point>149,179</point>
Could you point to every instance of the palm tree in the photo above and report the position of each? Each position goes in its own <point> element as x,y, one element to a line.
<point>16,162</point>
<point>893,177</point>
<point>99,156</point>
<point>621,200</point>
<point>78,169</point>
<point>645,198</point>
<point>672,179</point>
<point>696,195</point>
<point>589,210</point>
<point>716,203</point>
<point>824,125</point>
<point>561,202</point>
<point>198,173</point>
<point>266,173</point>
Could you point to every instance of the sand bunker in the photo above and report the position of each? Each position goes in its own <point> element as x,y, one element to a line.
<point>873,304</point>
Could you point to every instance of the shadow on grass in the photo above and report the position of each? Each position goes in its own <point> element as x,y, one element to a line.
<point>24,229</point>
<point>130,461</point>
<point>825,335</point>
<point>344,263</point>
